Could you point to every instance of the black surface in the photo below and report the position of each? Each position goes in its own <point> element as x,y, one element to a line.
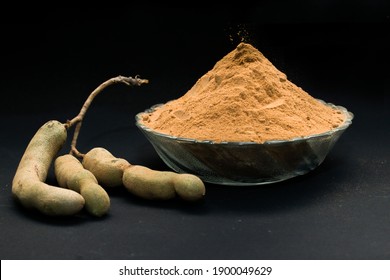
<point>51,62</point>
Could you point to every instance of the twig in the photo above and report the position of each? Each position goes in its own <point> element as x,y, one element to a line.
<point>79,118</point>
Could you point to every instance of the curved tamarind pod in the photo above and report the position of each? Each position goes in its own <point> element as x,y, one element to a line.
<point>162,185</point>
<point>28,184</point>
<point>107,169</point>
<point>71,174</point>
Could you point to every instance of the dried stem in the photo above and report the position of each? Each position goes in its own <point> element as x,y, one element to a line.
<point>79,118</point>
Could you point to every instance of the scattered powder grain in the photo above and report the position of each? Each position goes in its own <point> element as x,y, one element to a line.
<point>244,98</point>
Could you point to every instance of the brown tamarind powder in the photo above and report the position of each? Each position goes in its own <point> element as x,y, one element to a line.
<point>244,98</point>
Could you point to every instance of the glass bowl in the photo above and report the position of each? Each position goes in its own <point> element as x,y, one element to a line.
<point>244,163</point>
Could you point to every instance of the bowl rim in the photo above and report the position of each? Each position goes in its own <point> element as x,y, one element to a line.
<point>348,121</point>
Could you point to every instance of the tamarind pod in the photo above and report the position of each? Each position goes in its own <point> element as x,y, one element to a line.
<point>28,184</point>
<point>71,174</point>
<point>162,185</point>
<point>107,169</point>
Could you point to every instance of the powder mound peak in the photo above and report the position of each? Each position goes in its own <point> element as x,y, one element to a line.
<point>246,53</point>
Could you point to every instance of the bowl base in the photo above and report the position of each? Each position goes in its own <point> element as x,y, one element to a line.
<point>233,183</point>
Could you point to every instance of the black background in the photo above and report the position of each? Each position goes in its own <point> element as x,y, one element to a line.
<point>51,60</point>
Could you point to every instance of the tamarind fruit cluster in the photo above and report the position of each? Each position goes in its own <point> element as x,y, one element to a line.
<point>82,183</point>
<point>77,186</point>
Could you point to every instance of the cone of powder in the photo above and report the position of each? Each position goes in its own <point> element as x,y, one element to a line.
<point>244,98</point>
